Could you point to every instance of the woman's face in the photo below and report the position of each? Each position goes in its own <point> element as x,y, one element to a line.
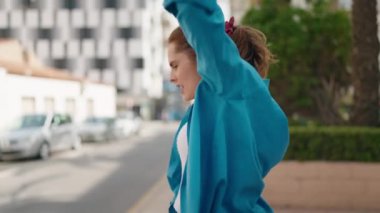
<point>183,71</point>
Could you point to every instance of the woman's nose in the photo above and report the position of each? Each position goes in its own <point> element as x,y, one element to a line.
<point>173,79</point>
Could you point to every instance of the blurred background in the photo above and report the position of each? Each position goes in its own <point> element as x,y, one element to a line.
<point>88,115</point>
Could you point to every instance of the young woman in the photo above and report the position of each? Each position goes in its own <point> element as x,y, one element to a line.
<point>234,132</point>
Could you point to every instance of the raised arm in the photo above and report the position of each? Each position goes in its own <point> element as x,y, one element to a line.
<point>218,60</point>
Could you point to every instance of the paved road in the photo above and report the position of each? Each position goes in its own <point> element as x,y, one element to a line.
<point>102,178</point>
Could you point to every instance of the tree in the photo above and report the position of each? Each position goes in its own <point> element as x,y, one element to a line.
<point>313,48</point>
<point>365,64</point>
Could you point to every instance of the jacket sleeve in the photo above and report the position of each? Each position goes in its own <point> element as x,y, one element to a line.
<point>218,60</point>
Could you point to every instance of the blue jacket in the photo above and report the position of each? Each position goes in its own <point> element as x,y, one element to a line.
<point>236,130</point>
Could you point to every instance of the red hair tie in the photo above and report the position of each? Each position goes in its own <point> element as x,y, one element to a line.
<point>229,26</point>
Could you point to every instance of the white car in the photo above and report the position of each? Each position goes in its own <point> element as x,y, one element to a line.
<point>38,135</point>
<point>97,129</point>
<point>127,124</point>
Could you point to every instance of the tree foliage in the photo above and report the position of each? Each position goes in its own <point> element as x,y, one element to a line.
<point>313,51</point>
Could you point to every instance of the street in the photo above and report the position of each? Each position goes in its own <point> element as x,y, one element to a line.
<point>129,176</point>
<point>103,177</point>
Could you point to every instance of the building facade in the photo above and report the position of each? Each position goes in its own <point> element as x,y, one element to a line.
<point>23,94</point>
<point>27,88</point>
<point>112,41</point>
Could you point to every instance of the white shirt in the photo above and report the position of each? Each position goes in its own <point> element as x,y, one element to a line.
<point>182,147</point>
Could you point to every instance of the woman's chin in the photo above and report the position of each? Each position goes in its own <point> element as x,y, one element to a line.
<point>187,99</point>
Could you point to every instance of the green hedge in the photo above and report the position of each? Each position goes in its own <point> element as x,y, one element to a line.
<point>334,144</point>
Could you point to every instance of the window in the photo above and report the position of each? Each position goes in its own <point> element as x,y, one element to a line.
<point>60,119</point>
<point>129,32</point>
<point>70,4</point>
<point>61,63</point>
<point>28,121</point>
<point>65,119</point>
<point>56,120</point>
<point>138,63</point>
<point>101,63</point>
<point>90,108</point>
<point>85,33</point>
<point>27,4</point>
<point>45,33</point>
<point>71,107</point>
<point>141,3</point>
<point>49,105</point>
<point>5,33</point>
<point>28,105</point>
<point>126,32</point>
<point>111,4</point>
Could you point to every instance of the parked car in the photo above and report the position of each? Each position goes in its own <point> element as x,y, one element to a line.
<point>38,135</point>
<point>128,123</point>
<point>97,129</point>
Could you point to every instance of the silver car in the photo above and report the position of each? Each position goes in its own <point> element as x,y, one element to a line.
<point>37,135</point>
<point>98,129</point>
<point>128,123</point>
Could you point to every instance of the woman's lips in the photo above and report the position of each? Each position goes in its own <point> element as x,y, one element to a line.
<point>180,88</point>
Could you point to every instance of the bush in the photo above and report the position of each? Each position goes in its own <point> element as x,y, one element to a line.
<point>334,144</point>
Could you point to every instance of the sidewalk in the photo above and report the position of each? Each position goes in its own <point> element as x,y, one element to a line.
<point>157,199</point>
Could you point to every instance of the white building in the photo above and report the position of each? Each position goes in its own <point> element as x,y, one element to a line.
<point>33,88</point>
<point>112,41</point>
